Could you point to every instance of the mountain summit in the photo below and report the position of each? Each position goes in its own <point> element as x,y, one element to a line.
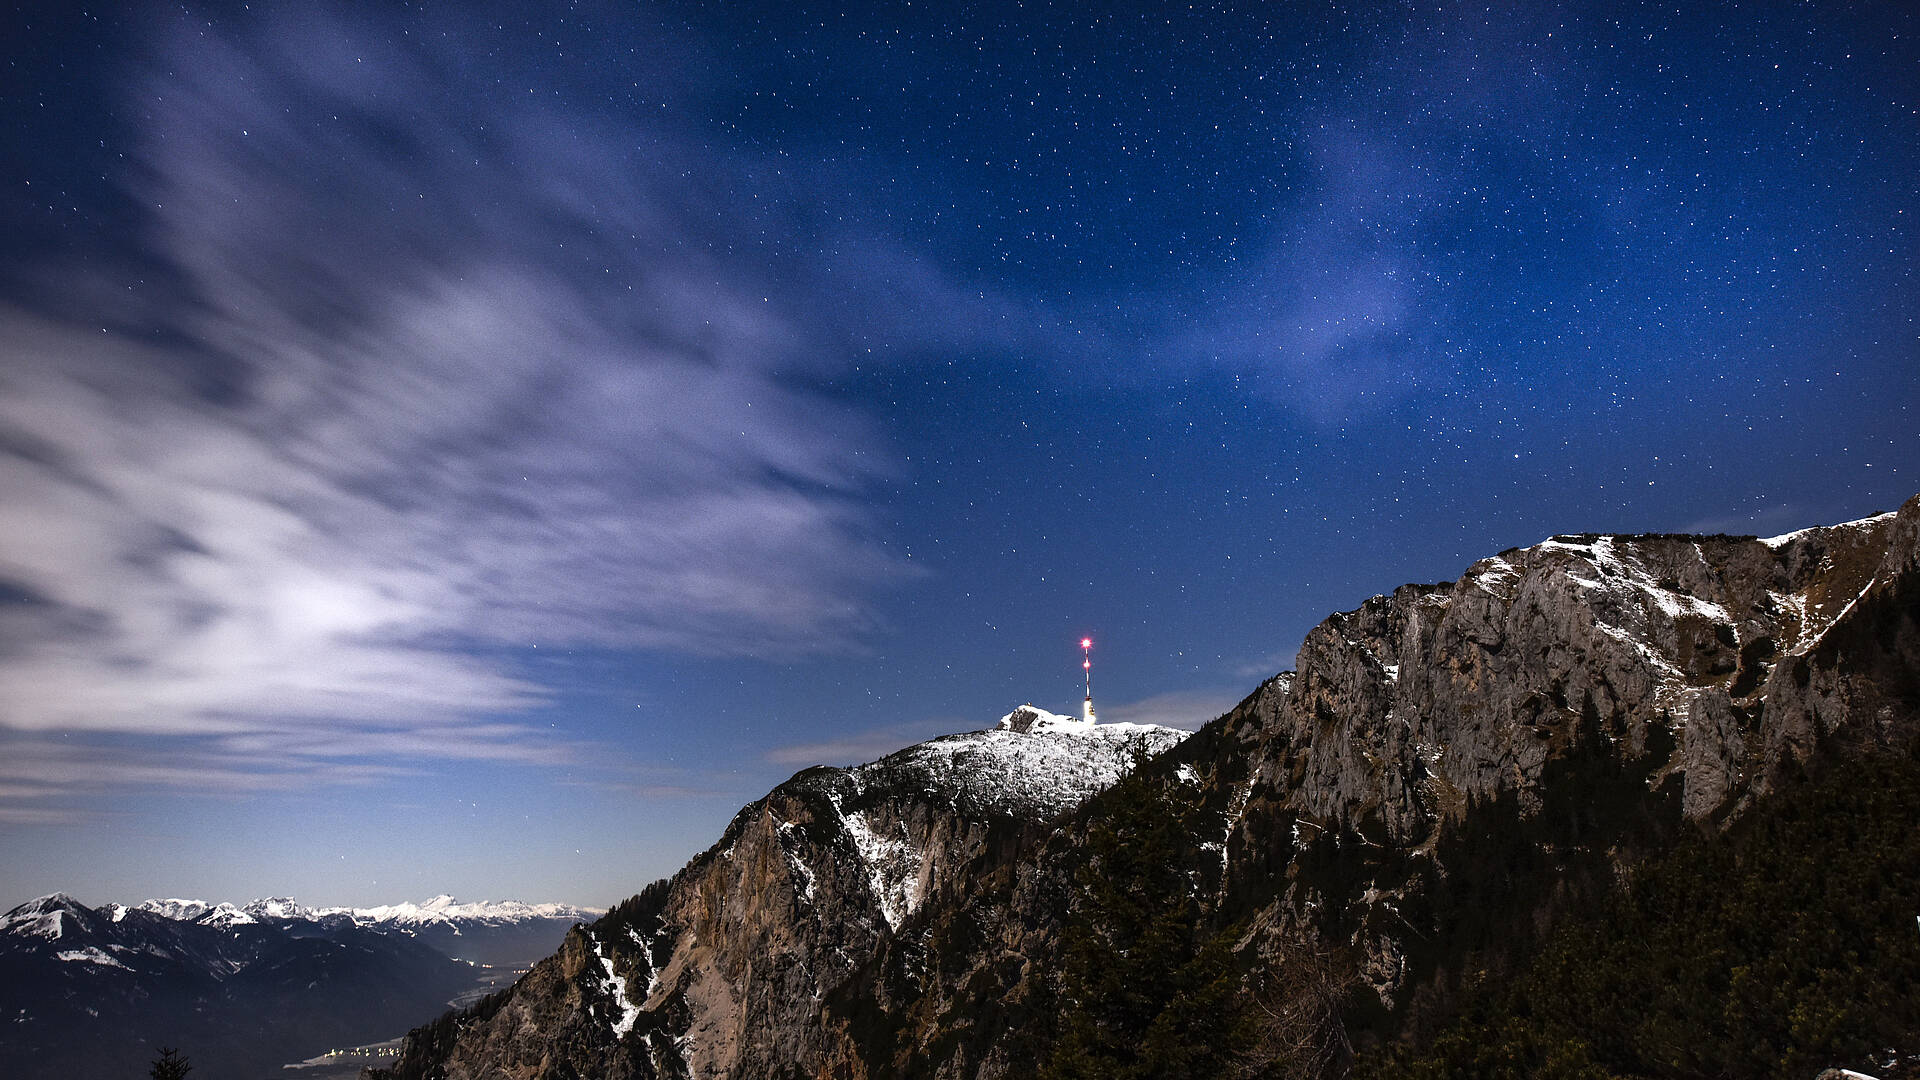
<point>714,972</point>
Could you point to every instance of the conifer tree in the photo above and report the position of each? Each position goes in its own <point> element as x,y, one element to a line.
<point>170,1065</point>
<point>1139,995</point>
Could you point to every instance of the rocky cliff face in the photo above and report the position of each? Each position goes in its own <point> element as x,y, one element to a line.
<point>1587,695</point>
<point>721,971</point>
<point>1428,698</point>
<point>1718,656</point>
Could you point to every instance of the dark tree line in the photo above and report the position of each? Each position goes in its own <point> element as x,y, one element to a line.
<point>1783,947</point>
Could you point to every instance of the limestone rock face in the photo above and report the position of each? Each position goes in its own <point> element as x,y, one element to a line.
<point>559,1015</point>
<point>1717,652</point>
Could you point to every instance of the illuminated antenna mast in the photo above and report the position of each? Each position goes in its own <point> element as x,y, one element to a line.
<point>1086,664</point>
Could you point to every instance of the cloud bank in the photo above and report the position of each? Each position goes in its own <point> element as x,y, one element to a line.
<point>436,373</point>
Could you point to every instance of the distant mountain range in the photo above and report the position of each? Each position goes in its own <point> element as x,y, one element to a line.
<point>441,910</point>
<point>91,993</point>
<point>500,933</point>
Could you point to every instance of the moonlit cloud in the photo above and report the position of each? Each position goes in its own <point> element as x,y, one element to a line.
<point>1354,300</point>
<point>48,780</point>
<point>860,746</point>
<point>1186,710</point>
<point>1329,314</point>
<point>444,375</point>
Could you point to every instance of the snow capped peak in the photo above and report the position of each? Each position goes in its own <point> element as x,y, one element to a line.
<point>1034,763</point>
<point>278,907</point>
<point>43,905</point>
<point>446,909</point>
<point>226,915</point>
<point>43,916</point>
<point>174,908</point>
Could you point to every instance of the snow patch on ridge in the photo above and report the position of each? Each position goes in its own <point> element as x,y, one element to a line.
<point>646,954</point>
<point>893,868</point>
<point>616,987</point>
<point>91,955</point>
<point>1778,542</point>
<point>1236,812</point>
<point>1623,595</point>
<point>802,873</point>
<point>1494,576</point>
<point>1621,576</point>
<point>1042,773</point>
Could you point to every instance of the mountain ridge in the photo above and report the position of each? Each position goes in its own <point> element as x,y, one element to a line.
<point>1564,710</point>
<point>91,993</point>
<point>442,908</point>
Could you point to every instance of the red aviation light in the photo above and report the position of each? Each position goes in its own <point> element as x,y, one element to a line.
<point>1086,643</point>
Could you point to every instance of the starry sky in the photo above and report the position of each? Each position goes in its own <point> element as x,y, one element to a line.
<point>475,448</point>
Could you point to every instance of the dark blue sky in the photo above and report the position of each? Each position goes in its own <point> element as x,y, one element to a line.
<point>477,452</point>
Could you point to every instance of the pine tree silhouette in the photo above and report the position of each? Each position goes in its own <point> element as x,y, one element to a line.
<point>169,1065</point>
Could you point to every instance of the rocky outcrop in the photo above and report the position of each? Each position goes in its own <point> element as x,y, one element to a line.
<point>1432,697</point>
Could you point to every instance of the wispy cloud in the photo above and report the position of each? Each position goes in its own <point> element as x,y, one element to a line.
<point>1329,314</point>
<point>655,779</point>
<point>1188,710</point>
<point>437,375</point>
<point>859,747</point>
<point>1264,667</point>
<point>57,780</point>
<point>1354,298</point>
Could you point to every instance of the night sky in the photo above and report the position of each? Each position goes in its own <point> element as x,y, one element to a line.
<point>475,450</point>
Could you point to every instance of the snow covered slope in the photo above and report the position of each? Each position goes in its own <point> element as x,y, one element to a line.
<point>1033,764</point>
